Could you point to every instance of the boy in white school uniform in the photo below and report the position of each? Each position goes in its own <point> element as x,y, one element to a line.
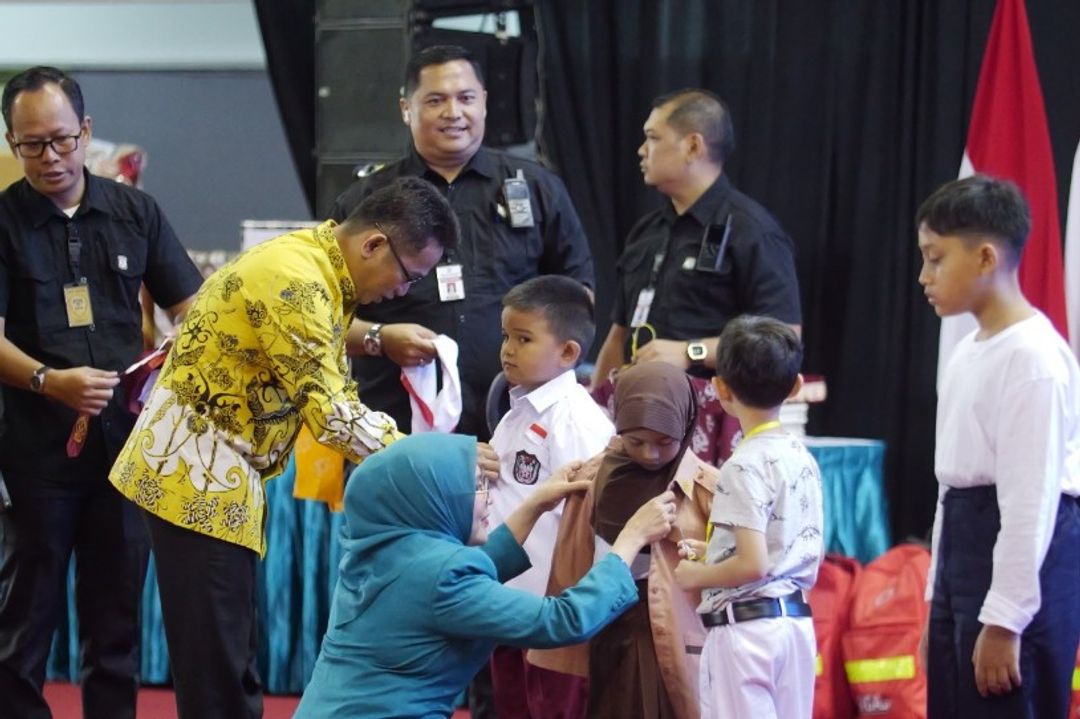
<point>1004,580</point>
<point>547,325</point>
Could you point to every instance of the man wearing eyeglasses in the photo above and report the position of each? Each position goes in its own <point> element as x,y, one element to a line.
<point>517,222</point>
<point>74,250</point>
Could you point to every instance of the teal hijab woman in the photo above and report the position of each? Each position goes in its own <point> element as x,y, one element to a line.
<point>419,602</point>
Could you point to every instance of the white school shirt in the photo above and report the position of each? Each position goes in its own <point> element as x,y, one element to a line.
<point>555,424</point>
<point>1009,415</point>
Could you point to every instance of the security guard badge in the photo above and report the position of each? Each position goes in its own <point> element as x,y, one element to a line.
<point>526,467</point>
<point>77,301</point>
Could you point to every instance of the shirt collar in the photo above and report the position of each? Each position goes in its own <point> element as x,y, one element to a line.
<point>40,208</point>
<point>325,237</point>
<point>483,162</point>
<point>705,209</point>
<point>546,394</point>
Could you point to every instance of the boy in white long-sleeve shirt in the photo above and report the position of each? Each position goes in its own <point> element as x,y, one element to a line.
<point>1004,582</point>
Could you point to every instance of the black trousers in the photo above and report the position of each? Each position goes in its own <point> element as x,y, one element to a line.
<point>1047,646</point>
<point>47,521</point>
<point>208,607</point>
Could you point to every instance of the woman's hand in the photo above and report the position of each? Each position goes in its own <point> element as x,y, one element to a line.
<point>650,523</point>
<point>547,495</point>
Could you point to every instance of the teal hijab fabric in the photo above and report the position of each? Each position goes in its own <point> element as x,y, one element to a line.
<point>405,500</point>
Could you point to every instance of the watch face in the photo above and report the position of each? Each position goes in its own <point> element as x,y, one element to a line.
<point>697,351</point>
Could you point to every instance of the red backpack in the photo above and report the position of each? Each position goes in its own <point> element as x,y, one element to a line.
<point>880,646</point>
<point>830,600</point>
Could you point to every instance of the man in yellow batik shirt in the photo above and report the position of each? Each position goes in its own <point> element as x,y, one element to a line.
<point>261,351</point>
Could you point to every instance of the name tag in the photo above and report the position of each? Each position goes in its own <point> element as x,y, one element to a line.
<point>644,304</point>
<point>451,282</point>
<point>77,302</point>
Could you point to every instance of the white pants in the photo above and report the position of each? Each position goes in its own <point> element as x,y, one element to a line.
<point>761,669</point>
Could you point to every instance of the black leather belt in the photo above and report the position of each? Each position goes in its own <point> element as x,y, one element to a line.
<point>792,605</point>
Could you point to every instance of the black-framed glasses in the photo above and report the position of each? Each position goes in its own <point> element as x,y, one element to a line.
<point>409,277</point>
<point>33,149</point>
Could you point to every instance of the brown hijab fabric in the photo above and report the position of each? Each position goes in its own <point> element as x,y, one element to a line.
<point>650,395</point>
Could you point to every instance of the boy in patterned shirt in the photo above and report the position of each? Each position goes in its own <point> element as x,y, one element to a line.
<point>764,543</point>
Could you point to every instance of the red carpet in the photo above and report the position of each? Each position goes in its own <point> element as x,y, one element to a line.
<point>65,702</point>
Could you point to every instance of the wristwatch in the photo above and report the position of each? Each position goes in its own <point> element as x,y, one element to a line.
<point>37,380</point>
<point>372,341</point>
<point>697,352</point>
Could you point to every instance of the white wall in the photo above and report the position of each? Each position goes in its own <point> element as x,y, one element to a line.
<point>129,35</point>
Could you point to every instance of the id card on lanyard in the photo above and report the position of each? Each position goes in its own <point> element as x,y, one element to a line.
<point>77,294</point>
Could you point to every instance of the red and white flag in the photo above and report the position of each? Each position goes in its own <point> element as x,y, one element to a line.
<point>1008,138</point>
<point>1072,257</point>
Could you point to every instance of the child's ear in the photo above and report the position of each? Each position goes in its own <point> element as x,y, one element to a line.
<point>571,353</point>
<point>989,256</point>
<point>795,388</point>
<point>722,390</point>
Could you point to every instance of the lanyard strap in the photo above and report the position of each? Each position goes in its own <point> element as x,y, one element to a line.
<point>763,427</point>
<point>74,247</point>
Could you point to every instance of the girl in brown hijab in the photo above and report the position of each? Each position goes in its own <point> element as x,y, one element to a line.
<point>645,664</point>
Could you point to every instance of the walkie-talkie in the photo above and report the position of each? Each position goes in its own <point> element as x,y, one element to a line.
<point>518,205</point>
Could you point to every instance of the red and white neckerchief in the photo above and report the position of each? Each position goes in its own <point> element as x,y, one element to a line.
<point>435,410</point>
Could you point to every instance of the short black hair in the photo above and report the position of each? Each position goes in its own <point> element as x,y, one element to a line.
<point>34,79</point>
<point>412,211</point>
<point>563,301</point>
<point>437,55</point>
<point>701,111</point>
<point>976,207</point>
<point>759,358</point>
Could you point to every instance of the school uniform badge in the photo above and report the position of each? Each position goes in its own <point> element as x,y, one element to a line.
<point>526,467</point>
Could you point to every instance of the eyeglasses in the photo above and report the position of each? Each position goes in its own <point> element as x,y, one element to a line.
<point>409,277</point>
<point>32,149</point>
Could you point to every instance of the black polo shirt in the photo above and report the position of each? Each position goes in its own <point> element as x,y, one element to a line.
<point>756,274</point>
<point>494,258</point>
<point>125,241</point>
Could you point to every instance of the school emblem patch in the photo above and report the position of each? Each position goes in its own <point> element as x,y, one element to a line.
<point>526,467</point>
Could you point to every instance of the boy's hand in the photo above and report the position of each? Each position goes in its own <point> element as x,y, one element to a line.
<point>692,550</point>
<point>688,574</point>
<point>997,660</point>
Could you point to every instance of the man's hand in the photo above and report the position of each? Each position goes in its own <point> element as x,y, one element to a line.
<point>997,660</point>
<point>85,389</point>
<point>407,345</point>
<point>487,461</point>
<point>673,352</point>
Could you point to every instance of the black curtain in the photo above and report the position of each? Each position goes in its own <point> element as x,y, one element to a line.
<point>288,34</point>
<point>847,115</point>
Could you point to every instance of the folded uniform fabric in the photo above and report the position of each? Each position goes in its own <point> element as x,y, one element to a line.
<point>434,409</point>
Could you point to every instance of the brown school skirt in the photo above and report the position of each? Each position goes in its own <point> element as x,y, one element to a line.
<point>624,678</point>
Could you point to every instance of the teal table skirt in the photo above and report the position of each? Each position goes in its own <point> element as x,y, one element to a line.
<point>856,511</point>
<point>297,579</point>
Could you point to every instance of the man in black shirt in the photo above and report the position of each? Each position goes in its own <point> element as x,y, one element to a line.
<point>74,250</point>
<point>510,232</point>
<point>709,255</point>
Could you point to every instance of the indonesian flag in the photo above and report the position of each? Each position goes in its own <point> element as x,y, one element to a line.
<point>1072,257</point>
<point>1008,137</point>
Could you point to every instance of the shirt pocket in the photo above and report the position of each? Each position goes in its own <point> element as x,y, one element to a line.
<point>36,300</point>
<point>125,258</point>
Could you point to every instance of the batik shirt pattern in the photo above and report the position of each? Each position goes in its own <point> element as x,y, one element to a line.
<point>261,351</point>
